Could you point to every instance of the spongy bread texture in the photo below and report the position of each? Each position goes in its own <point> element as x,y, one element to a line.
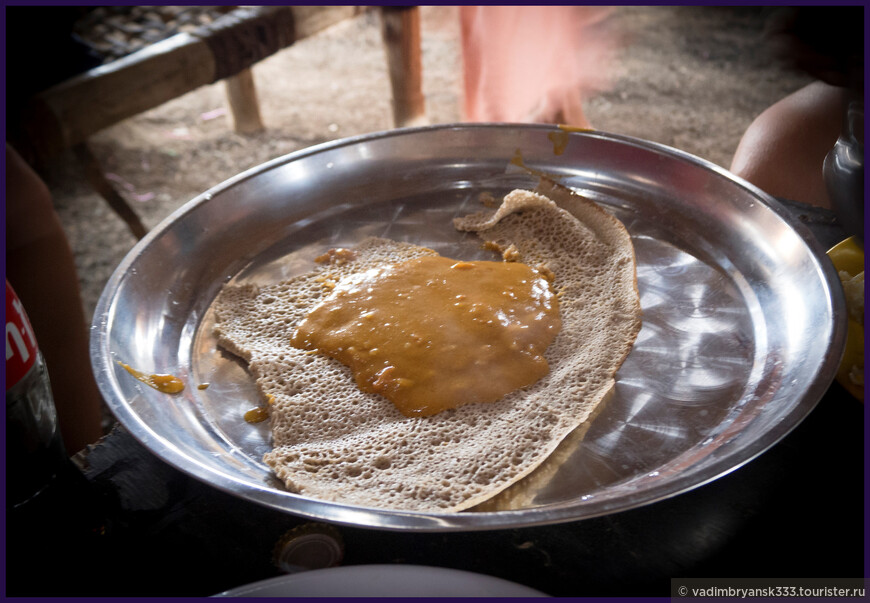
<point>333,442</point>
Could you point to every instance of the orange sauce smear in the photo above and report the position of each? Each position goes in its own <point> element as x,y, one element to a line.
<point>433,333</point>
<point>168,384</point>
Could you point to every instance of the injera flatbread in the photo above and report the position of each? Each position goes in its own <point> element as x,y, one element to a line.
<point>333,442</point>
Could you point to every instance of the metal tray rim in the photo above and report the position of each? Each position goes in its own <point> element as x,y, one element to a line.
<point>397,520</point>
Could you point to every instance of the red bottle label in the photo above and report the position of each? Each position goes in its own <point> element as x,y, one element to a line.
<point>21,348</point>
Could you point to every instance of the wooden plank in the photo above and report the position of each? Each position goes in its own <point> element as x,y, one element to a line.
<point>314,19</point>
<point>242,98</point>
<point>401,34</point>
<point>97,179</point>
<point>68,113</point>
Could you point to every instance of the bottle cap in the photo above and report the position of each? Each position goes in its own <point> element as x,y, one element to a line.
<point>307,547</point>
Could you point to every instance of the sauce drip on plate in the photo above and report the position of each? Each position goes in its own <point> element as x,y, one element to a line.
<point>257,414</point>
<point>168,384</point>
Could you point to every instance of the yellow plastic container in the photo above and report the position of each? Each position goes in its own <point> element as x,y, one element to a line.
<point>848,257</point>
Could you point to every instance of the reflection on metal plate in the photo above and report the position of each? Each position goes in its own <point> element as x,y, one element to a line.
<point>742,328</point>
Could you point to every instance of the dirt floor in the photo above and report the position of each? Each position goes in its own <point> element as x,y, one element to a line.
<point>690,77</point>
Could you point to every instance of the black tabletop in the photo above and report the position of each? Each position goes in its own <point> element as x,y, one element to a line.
<point>125,523</point>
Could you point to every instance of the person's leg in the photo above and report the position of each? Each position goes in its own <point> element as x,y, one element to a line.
<point>783,150</point>
<point>41,269</point>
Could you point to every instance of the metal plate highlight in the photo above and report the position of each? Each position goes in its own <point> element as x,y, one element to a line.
<point>744,320</point>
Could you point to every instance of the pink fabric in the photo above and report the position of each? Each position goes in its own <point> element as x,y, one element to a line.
<point>534,63</point>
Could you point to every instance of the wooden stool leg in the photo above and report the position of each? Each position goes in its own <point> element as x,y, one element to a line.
<point>97,179</point>
<point>242,96</point>
<point>401,34</point>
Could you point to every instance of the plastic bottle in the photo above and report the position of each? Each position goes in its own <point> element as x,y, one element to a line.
<point>50,504</point>
<point>34,449</point>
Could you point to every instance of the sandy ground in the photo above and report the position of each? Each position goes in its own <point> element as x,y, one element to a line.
<point>691,77</point>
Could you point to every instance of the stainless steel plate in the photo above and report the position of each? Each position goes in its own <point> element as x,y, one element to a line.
<point>743,323</point>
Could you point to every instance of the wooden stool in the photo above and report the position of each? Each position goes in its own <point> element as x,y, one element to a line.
<point>67,114</point>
